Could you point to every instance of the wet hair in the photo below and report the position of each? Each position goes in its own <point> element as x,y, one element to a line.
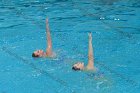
<point>75,68</point>
<point>33,55</point>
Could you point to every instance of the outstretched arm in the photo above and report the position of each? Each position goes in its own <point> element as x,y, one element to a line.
<point>90,65</point>
<point>49,41</point>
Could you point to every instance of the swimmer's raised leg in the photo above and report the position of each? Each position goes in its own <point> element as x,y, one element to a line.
<point>48,53</point>
<point>49,41</point>
<point>90,65</point>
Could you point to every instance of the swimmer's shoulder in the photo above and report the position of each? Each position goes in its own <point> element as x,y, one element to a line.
<point>92,70</point>
<point>95,73</point>
<point>52,56</point>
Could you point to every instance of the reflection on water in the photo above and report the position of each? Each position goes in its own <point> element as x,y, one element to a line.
<point>108,2</point>
<point>132,3</point>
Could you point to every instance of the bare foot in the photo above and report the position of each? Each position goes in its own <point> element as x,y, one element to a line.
<point>90,36</point>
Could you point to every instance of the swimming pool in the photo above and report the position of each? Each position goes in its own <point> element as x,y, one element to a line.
<point>115,26</point>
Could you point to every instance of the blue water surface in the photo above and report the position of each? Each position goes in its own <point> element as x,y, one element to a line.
<point>115,27</point>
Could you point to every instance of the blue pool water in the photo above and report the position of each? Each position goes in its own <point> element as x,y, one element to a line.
<point>115,26</point>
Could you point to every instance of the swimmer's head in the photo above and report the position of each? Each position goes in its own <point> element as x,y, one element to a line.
<point>38,53</point>
<point>78,66</point>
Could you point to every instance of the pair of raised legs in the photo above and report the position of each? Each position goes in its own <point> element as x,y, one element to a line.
<point>49,53</point>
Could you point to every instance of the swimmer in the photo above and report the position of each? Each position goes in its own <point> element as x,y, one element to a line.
<point>48,53</point>
<point>90,65</point>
